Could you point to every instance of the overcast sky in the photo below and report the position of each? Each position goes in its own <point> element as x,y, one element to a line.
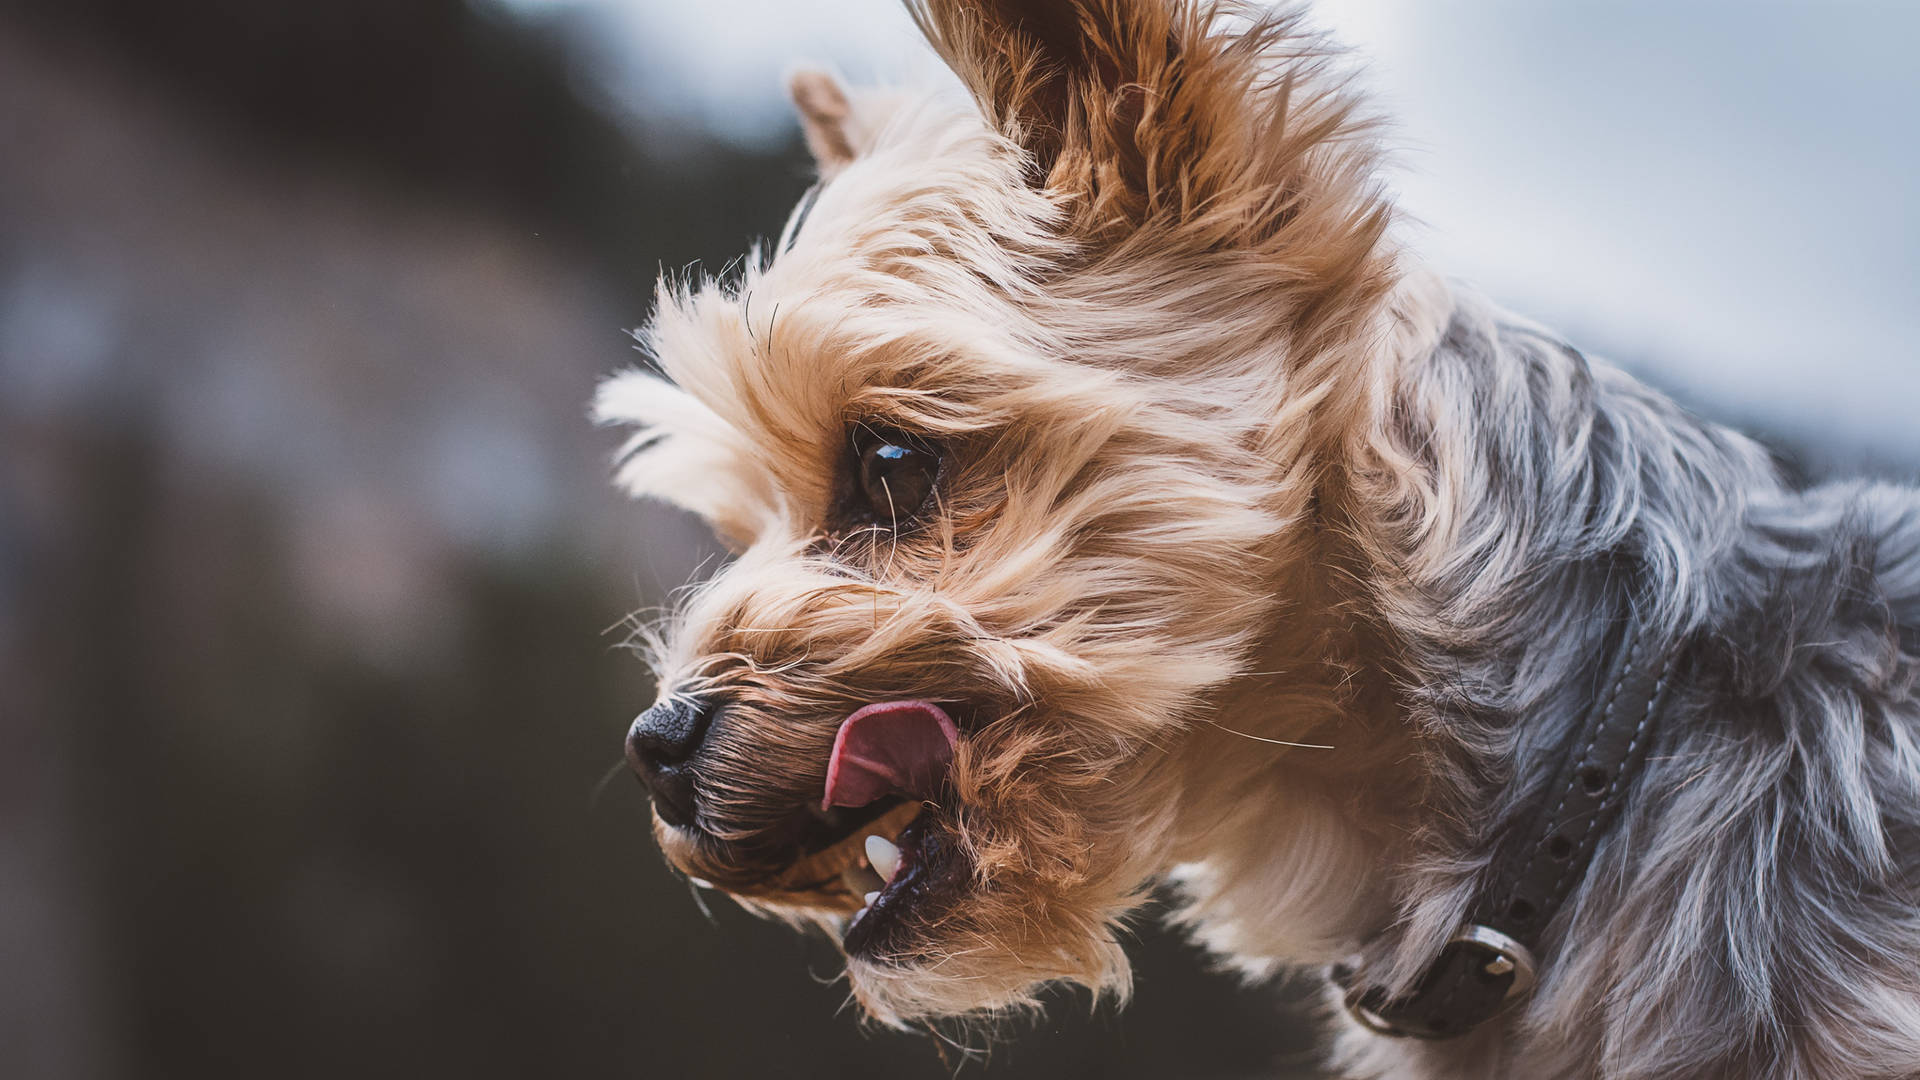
<point>1721,193</point>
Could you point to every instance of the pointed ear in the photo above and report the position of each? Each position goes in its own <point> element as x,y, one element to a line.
<point>838,127</point>
<point>1094,90</point>
<point>1153,110</point>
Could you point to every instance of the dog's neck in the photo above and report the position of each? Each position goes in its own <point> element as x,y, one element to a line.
<point>1337,833</point>
<point>1313,830</point>
<point>1442,625</point>
<point>1301,779</point>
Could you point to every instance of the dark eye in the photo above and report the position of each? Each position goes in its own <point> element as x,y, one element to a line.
<point>893,475</point>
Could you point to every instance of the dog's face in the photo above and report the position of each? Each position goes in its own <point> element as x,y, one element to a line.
<point>1008,457</point>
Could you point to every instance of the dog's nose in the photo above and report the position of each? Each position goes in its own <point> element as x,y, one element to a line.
<point>660,748</point>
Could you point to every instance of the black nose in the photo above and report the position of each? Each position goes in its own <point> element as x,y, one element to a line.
<point>661,747</point>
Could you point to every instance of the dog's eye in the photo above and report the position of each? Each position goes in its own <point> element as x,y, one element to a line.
<point>893,475</point>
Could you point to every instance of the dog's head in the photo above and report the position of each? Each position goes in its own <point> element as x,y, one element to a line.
<point>1009,434</point>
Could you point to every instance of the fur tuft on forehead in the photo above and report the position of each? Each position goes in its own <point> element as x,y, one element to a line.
<point>1195,124</point>
<point>1187,193</point>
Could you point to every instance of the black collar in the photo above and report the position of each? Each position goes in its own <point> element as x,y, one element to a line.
<point>798,220</point>
<point>1488,965</point>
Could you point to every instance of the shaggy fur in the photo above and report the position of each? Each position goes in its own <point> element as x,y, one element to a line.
<point>1267,563</point>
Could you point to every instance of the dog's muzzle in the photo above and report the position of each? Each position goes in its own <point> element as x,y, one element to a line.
<point>660,749</point>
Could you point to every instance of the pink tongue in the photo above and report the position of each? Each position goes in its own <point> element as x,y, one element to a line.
<point>889,747</point>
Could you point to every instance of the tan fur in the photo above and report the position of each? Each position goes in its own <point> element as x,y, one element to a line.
<point>1146,300</point>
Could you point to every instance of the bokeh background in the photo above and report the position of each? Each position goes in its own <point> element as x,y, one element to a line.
<point>311,584</point>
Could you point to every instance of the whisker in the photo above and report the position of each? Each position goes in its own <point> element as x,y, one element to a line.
<point>700,901</point>
<point>600,789</point>
<point>893,537</point>
<point>1264,739</point>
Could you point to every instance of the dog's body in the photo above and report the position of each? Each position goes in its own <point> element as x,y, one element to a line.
<point>1757,911</point>
<point>1117,504</point>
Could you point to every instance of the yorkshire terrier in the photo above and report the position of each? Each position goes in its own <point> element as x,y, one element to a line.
<point>1119,505</point>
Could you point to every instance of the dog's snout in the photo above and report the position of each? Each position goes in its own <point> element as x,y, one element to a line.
<point>660,748</point>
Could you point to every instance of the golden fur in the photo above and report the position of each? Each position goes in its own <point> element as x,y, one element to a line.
<point>1144,440</point>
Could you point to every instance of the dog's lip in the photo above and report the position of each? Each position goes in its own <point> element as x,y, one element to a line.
<point>825,871</point>
<point>887,779</point>
<point>831,827</point>
<point>887,750</point>
<point>921,850</point>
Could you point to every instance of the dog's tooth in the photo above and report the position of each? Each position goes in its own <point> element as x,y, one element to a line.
<point>870,898</point>
<point>857,916</point>
<point>883,855</point>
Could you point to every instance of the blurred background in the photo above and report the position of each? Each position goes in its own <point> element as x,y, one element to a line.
<point>311,694</point>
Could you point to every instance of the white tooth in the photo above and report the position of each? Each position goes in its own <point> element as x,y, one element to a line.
<point>870,898</point>
<point>883,855</point>
<point>857,916</point>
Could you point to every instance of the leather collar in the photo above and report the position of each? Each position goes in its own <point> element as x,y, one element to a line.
<point>798,220</point>
<point>1488,965</point>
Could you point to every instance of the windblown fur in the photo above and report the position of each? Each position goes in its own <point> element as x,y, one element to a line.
<point>1227,470</point>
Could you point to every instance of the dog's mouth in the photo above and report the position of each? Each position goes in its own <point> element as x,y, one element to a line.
<point>873,832</point>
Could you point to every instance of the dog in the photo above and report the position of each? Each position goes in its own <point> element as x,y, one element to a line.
<point>1118,504</point>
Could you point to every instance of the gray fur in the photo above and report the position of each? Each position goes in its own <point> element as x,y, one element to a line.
<point>1756,912</point>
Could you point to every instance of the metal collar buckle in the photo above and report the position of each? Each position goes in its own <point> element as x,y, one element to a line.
<point>1497,956</point>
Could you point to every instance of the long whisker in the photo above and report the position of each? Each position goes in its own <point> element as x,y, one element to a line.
<point>600,789</point>
<point>1264,739</point>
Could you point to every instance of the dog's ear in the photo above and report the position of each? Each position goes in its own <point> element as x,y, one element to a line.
<point>1152,110</point>
<point>838,127</point>
<point>1099,92</point>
